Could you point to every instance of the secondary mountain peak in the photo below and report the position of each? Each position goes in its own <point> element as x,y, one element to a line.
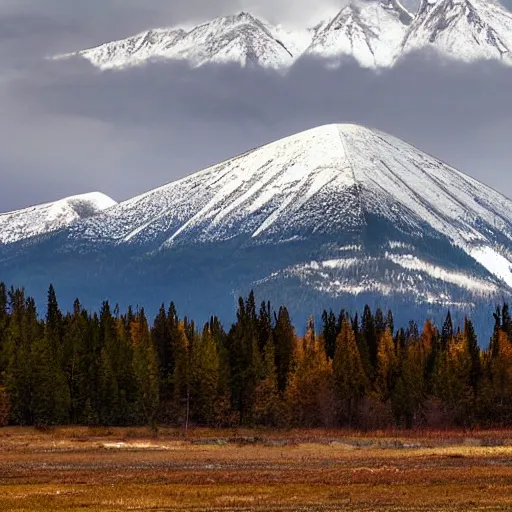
<point>46,218</point>
<point>375,33</point>
<point>240,38</point>
<point>339,215</point>
<point>369,31</point>
<point>466,30</point>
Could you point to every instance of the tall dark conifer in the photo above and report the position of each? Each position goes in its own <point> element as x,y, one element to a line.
<point>329,332</point>
<point>447,331</point>
<point>284,344</point>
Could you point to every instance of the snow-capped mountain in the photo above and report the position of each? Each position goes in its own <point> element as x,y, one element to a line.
<point>46,218</point>
<point>371,32</point>
<point>336,216</point>
<point>241,39</point>
<point>467,30</point>
<point>376,33</point>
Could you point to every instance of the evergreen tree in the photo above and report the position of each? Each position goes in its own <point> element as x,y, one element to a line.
<point>284,341</point>
<point>108,391</point>
<point>204,379</point>
<point>474,354</point>
<point>145,367</point>
<point>329,332</point>
<point>350,380</point>
<point>75,359</point>
<point>369,335</point>
<point>447,331</point>
<point>386,366</point>
<point>53,324</point>
<point>266,401</point>
<point>180,377</point>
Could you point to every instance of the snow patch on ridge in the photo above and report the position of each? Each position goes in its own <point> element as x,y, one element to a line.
<point>46,218</point>
<point>497,264</point>
<point>410,262</point>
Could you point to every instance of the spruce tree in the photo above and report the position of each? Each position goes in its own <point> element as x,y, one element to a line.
<point>474,353</point>
<point>329,332</point>
<point>204,379</point>
<point>369,334</point>
<point>145,365</point>
<point>447,331</point>
<point>284,342</point>
<point>386,366</point>
<point>266,402</point>
<point>350,380</point>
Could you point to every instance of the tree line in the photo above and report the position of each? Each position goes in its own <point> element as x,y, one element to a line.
<point>113,368</point>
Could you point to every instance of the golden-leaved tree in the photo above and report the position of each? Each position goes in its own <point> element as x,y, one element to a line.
<point>309,392</point>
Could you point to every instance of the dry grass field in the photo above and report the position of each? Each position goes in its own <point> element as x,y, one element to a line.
<point>76,469</point>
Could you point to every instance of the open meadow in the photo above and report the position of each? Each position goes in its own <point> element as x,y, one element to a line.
<point>129,469</point>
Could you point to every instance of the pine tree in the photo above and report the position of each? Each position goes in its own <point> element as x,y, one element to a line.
<point>245,359</point>
<point>161,335</point>
<point>180,377</point>
<point>409,392</point>
<point>350,380</point>
<point>447,331</point>
<point>369,335</point>
<point>145,365</point>
<point>501,368</point>
<point>75,357</point>
<point>108,391</point>
<point>330,333</point>
<point>386,366</point>
<point>284,341</point>
<point>266,402</point>
<point>474,354</point>
<point>53,324</point>
<point>204,379</point>
<point>23,329</point>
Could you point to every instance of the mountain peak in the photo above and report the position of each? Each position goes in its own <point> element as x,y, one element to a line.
<point>46,218</point>
<point>375,33</point>
<point>339,215</point>
<point>368,30</point>
<point>466,30</point>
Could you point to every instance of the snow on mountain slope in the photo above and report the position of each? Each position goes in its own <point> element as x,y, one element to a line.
<point>241,39</point>
<point>338,216</point>
<point>370,31</point>
<point>46,218</point>
<point>324,182</point>
<point>467,30</point>
<point>376,33</point>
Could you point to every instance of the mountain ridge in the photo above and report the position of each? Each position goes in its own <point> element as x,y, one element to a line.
<point>48,217</point>
<point>339,215</point>
<point>377,34</point>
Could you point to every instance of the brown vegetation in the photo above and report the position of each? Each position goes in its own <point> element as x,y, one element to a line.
<point>305,470</point>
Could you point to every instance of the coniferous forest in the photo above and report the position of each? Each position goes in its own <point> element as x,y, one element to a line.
<point>121,368</point>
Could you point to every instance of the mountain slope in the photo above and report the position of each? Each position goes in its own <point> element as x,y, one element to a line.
<point>319,181</point>
<point>337,216</point>
<point>241,39</point>
<point>46,218</point>
<point>370,31</point>
<point>375,33</point>
<point>467,30</point>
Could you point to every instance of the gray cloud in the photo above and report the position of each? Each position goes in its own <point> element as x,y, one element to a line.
<point>69,129</point>
<point>66,128</point>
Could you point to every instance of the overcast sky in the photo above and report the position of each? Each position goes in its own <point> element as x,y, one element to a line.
<point>66,128</point>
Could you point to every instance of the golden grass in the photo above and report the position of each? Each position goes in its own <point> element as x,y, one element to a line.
<point>73,469</point>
